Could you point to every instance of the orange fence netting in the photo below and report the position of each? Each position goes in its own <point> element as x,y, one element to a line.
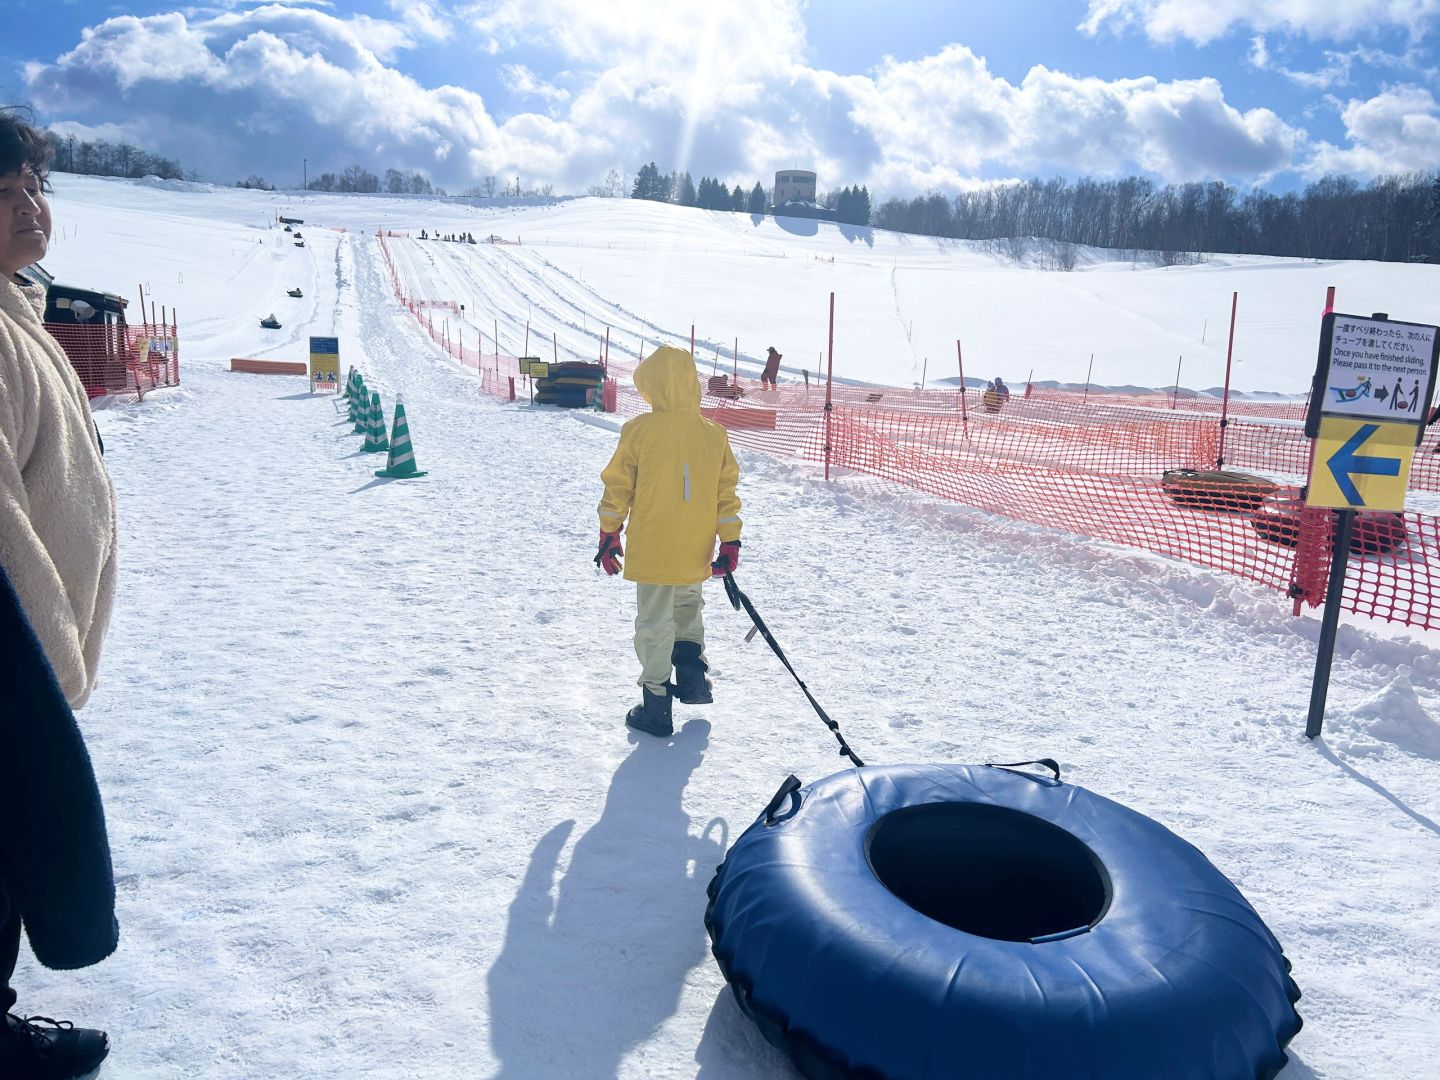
<point>121,358</point>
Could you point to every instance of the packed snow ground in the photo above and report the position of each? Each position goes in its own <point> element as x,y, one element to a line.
<point>373,809</point>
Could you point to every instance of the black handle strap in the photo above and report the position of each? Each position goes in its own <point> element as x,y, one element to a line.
<point>739,600</point>
<point>1049,763</point>
<point>787,790</point>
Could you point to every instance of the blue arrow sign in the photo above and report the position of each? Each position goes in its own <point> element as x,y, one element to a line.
<point>1344,463</point>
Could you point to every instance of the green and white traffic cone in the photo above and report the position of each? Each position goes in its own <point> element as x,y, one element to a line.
<point>375,441</point>
<point>401,465</point>
<point>362,411</point>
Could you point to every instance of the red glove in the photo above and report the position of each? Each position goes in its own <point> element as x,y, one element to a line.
<point>608,557</point>
<point>729,559</point>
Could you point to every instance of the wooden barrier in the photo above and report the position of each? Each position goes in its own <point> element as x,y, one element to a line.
<point>742,419</point>
<point>269,367</point>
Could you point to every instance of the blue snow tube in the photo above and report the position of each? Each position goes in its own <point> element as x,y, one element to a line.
<point>957,920</point>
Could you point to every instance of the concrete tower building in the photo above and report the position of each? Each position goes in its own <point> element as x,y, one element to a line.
<point>792,184</point>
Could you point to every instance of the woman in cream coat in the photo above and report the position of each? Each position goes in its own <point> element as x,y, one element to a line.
<point>57,506</point>
<point>57,549</point>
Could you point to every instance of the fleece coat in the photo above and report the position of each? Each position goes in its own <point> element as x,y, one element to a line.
<point>54,854</point>
<point>57,506</point>
<point>673,475</point>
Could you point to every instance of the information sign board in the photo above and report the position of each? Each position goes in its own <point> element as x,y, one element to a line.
<point>1378,369</point>
<point>325,364</point>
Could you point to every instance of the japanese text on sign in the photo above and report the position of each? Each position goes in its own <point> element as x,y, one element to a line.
<point>1378,369</point>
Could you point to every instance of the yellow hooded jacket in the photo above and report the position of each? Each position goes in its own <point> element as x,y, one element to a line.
<point>673,475</point>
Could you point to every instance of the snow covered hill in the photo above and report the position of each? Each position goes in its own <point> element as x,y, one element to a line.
<point>373,809</point>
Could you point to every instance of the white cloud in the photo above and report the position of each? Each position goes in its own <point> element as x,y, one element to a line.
<point>519,79</point>
<point>286,80</point>
<point>721,91</point>
<point>1259,54</point>
<point>1395,131</point>
<point>755,36</point>
<point>948,115</point>
<point>1202,21</point>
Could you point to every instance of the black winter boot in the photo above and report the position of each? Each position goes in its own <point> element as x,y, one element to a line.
<point>691,685</point>
<point>653,716</point>
<point>38,1048</point>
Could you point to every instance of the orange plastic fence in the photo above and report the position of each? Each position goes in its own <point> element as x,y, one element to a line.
<point>251,366</point>
<point>1133,470</point>
<point>124,360</point>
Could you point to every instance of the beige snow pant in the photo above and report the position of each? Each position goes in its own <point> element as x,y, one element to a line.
<point>666,614</point>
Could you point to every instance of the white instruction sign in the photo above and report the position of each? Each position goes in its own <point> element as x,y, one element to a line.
<point>1378,369</point>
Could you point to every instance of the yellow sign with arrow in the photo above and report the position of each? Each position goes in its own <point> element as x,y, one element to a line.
<point>1361,464</point>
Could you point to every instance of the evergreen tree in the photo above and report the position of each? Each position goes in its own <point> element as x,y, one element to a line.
<point>737,198</point>
<point>686,194</point>
<point>757,199</point>
<point>647,183</point>
<point>711,195</point>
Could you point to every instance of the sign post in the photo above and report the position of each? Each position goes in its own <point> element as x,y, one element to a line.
<point>528,366</point>
<point>325,364</point>
<point>1374,379</point>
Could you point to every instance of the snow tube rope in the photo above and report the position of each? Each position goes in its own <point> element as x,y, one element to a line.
<point>925,921</point>
<point>738,600</point>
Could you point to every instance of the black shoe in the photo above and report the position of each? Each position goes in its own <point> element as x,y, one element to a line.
<point>653,715</point>
<point>691,685</point>
<point>38,1048</point>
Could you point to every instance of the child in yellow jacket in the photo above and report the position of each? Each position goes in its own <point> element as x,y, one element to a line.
<point>673,476</point>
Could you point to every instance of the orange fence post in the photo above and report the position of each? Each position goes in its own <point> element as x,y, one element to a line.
<point>964,407</point>
<point>829,382</point>
<point>1225,400</point>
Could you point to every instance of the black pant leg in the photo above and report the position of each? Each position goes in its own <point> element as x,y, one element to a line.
<point>9,953</point>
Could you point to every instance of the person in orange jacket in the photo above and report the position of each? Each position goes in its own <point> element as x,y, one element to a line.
<point>673,477</point>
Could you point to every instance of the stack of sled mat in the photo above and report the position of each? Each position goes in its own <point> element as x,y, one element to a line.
<point>571,385</point>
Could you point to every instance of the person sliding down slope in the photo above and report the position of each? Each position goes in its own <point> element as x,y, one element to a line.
<point>673,476</point>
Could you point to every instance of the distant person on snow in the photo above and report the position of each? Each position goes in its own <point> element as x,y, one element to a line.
<point>57,554</point>
<point>772,368</point>
<point>673,476</point>
<point>1002,389</point>
<point>991,397</point>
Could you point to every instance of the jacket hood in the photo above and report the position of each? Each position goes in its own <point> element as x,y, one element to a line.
<point>668,381</point>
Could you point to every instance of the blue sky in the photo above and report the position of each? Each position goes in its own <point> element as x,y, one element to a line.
<point>905,96</point>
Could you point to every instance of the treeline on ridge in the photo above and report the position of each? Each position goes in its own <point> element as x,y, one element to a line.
<point>1391,219</point>
<point>102,158</point>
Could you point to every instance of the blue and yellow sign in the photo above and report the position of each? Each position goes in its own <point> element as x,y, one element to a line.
<point>325,364</point>
<point>1361,464</point>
